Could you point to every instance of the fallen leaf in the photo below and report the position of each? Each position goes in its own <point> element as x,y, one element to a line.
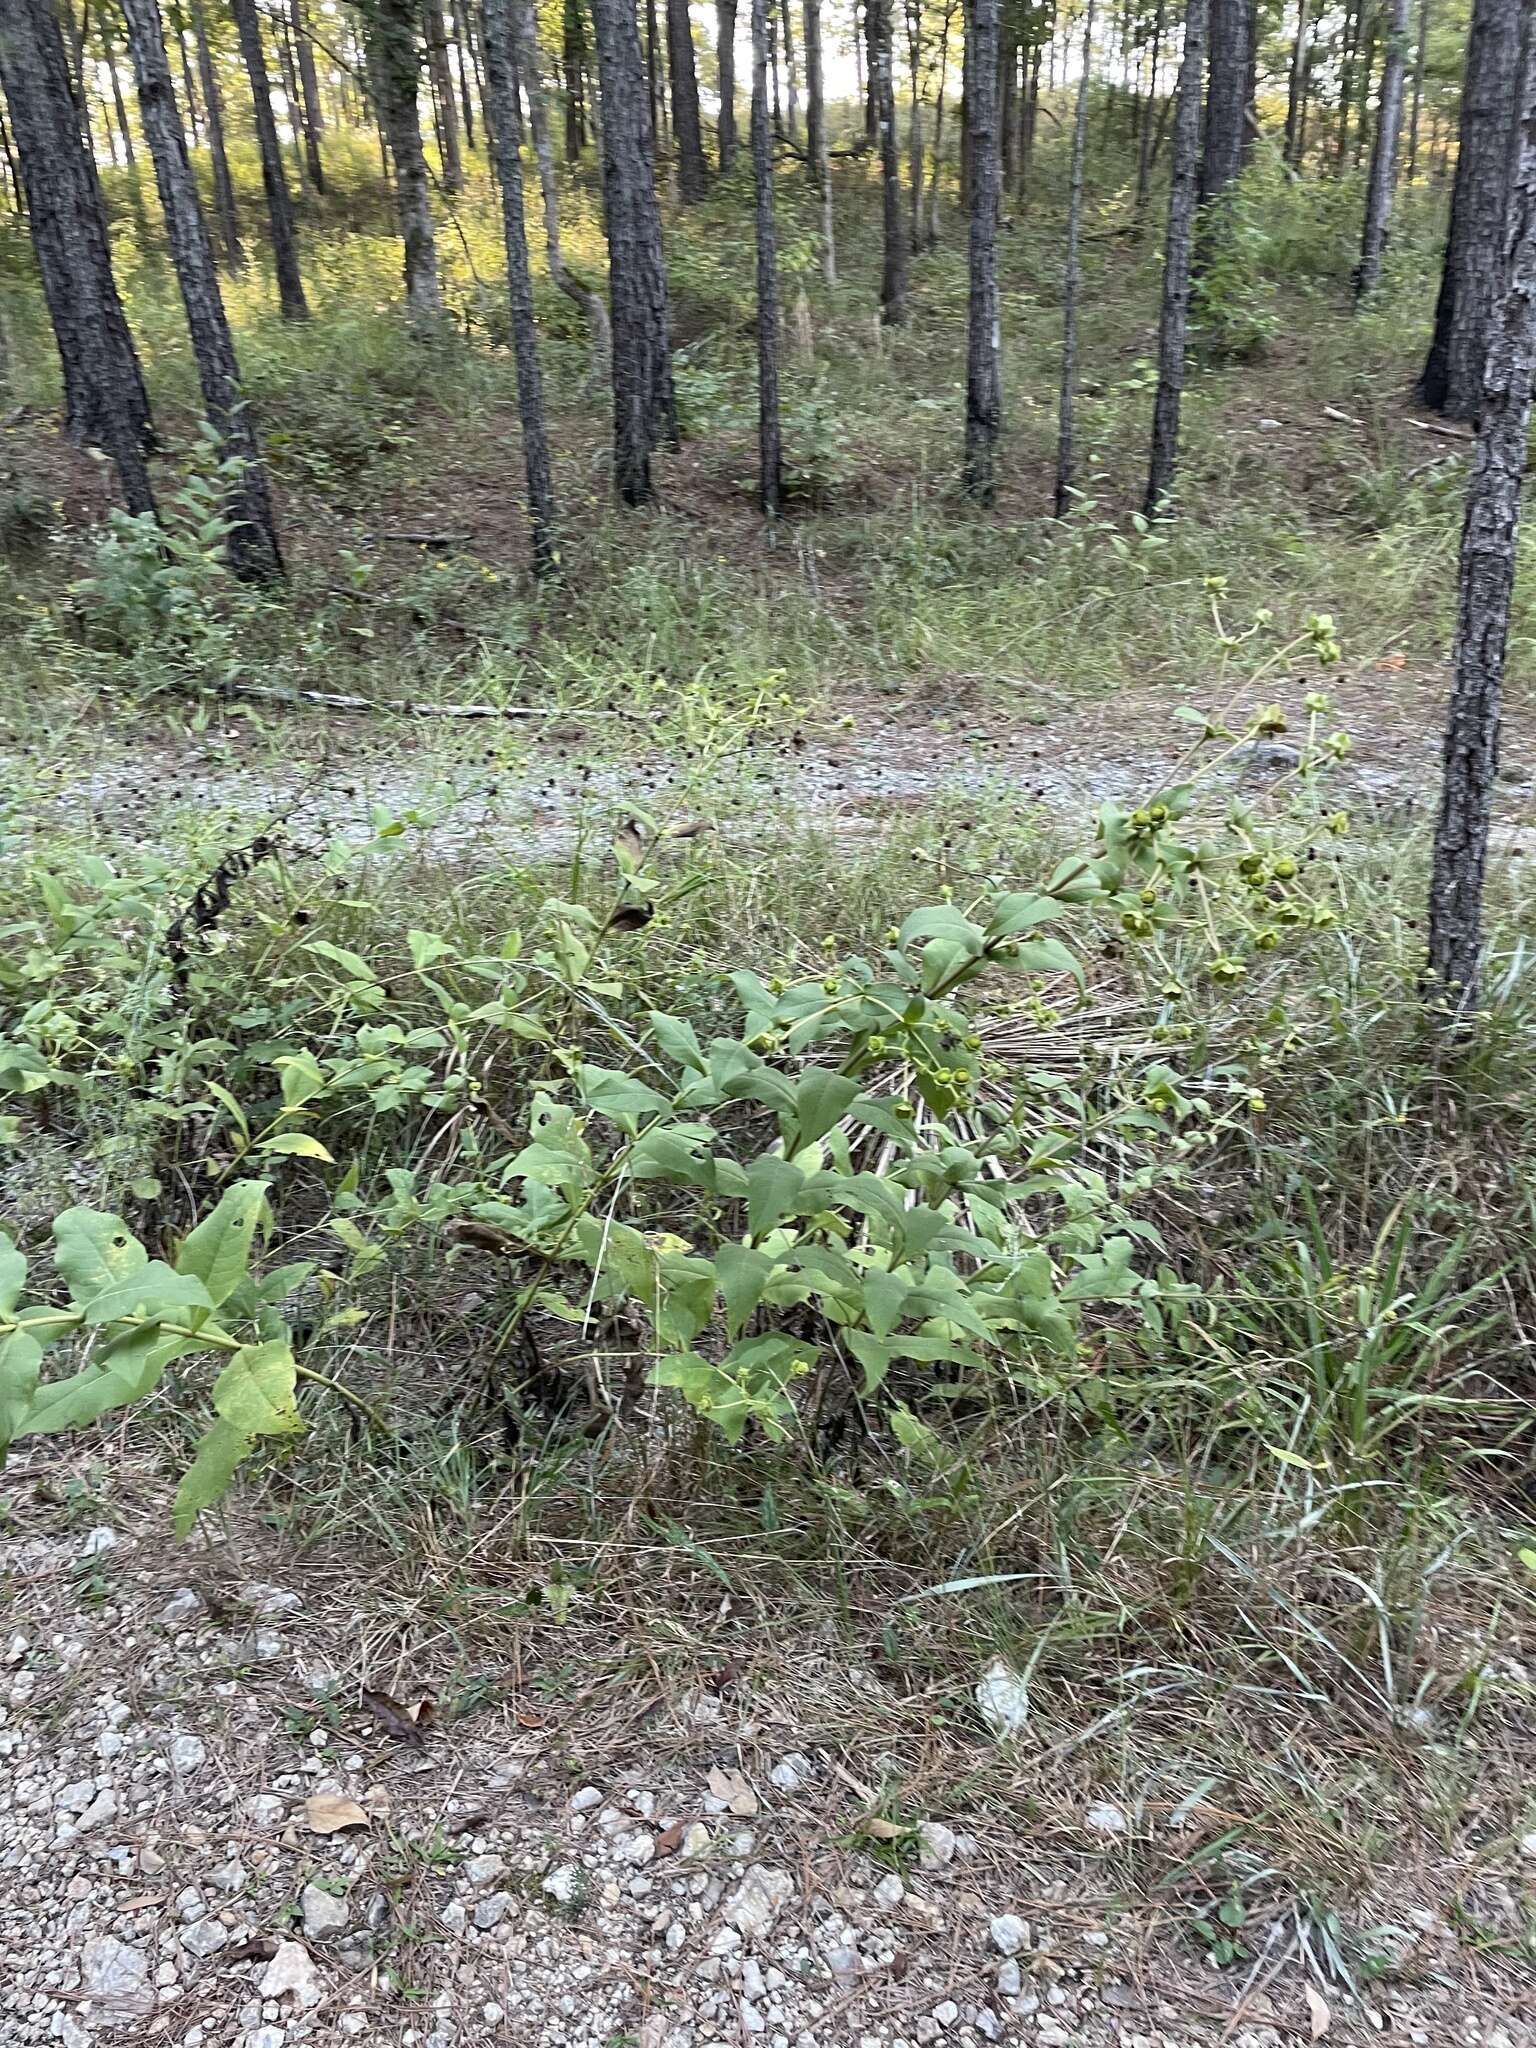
<point>734,1793</point>
<point>630,917</point>
<point>690,828</point>
<point>424,1713</point>
<point>327,1813</point>
<point>878,1828</point>
<point>392,1717</point>
<point>629,844</point>
<point>467,1823</point>
<point>1391,663</point>
<point>1317,2007</point>
<point>670,1840</point>
<point>261,1948</point>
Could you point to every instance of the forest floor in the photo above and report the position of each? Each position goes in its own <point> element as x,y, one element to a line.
<point>641,1818</point>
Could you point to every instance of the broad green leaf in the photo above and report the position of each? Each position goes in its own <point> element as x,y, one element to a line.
<point>218,1250</point>
<point>296,1145</point>
<point>207,1478</point>
<point>94,1251</point>
<point>253,1397</point>
<point>918,1439</point>
<point>302,1078</point>
<point>13,1274</point>
<point>822,1098</point>
<point>678,1040</point>
<point>426,949</point>
<point>743,1274</point>
<point>1105,1276</point>
<point>154,1291</point>
<point>885,1299</point>
<point>21,1359</point>
<point>943,921</point>
<point>773,1187</point>
<point>1046,956</point>
<point>353,963</point>
<point>1017,912</point>
<point>118,1374</point>
<point>620,1096</point>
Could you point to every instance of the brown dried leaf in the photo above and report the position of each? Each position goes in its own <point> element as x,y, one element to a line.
<point>327,1813</point>
<point>732,1789</point>
<point>879,1829</point>
<point>670,1840</point>
<point>392,1717</point>
<point>1318,2012</point>
<point>630,917</point>
<point>690,828</point>
<point>629,844</point>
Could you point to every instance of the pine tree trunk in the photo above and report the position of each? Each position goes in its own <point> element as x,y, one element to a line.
<point>1066,454</point>
<point>791,77</point>
<point>395,62</point>
<point>507,136</point>
<point>1178,259</point>
<point>1031,124</point>
<point>1298,79</point>
<point>309,89</point>
<point>769,442</point>
<point>893,279</point>
<point>463,62</point>
<point>818,163</point>
<point>525,44</point>
<point>442,95</point>
<point>1389,119</point>
<point>1418,90</point>
<point>573,54</point>
<point>285,251</point>
<point>283,42</point>
<point>1489,540</point>
<point>936,154</point>
<point>105,403</point>
<point>194,126</point>
<point>1471,279</point>
<point>1231,37</point>
<point>983,338</point>
<point>1149,125</point>
<point>871,41</point>
<point>725,58</point>
<point>223,184</point>
<point>915,127</point>
<point>253,551</point>
<point>644,410</point>
<point>687,128</point>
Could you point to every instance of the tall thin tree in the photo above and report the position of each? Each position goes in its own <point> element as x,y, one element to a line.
<point>1419,60</point>
<point>285,248</point>
<point>1232,32</point>
<point>893,275</point>
<point>213,106</point>
<point>770,447</point>
<point>1489,540</point>
<point>1452,381</point>
<point>1383,178</point>
<point>1144,140</point>
<point>1296,90</point>
<point>644,409</point>
<point>395,63</point>
<point>791,75</point>
<point>725,62</point>
<point>1178,261</point>
<point>105,402</point>
<point>687,127</point>
<point>817,160</point>
<point>442,96</point>
<point>252,547</point>
<point>310,110</point>
<point>506,142</point>
<point>983,341</point>
<point>1072,283</point>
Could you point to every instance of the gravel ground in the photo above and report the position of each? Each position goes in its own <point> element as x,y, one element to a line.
<point>208,1836</point>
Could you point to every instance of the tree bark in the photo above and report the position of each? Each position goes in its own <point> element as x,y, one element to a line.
<point>791,76</point>
<point>644,410</point>
<point>396,66</point>
<point>213,105</point>
<point>1148,124</point>
<point>285,251</point>
<point>1471,278</point>
<point>1489,540</point>
<point>309,90</point>
<point>105,403</point>
<point>109,57</point>
<point>725,58</point>
<point>1389,120</point>
<point>1066,454</point>
<point>818,163</point>
<point>983,340</point>
<point>769,440</point>
<point>462,49</point>
<point>252,547</point>
<point>443,96</point>
<point>915,125</point>
<point>525,34</point>
<point>893,279</point>
<point>1298,82</point>
<point>506,143</point>
<point>1231,39</point>
<point>687,128</point>
<point>1178,258</point>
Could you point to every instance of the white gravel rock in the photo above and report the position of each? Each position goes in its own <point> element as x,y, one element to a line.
<point>935,1845</point>
<point>484,1869</point>
<point>491,1911</point>
<point>98,1541</point>
<point>204,1938</point>
<point>758,1900</point>
<point>324,1913</point>
<point>1009,1934</point>
<point>586,1799</point>
<point>116,1978</point>
<point>1106,1819</point>
<point>565,1885</point>
<point>792,1773</point>
<point>265,1809</point>
<point>292,1973</point>
<point>186,1753</point>
<point>889,1892</point>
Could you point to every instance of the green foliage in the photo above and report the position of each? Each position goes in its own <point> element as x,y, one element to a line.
<point>130,1317</point>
